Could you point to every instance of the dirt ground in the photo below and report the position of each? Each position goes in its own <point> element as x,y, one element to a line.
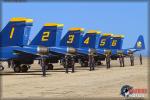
<point>101,83</point>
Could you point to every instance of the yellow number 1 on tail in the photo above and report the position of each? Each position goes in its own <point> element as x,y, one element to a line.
<point>12,32</point>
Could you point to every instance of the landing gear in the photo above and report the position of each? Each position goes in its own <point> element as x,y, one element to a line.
<point>141,59</point>
<point>49,67</point>
<point>17,68</point>
<point>99,63</point>
<point>108,61</point>
<point>84,64</point>
<point>121,60</point>
<point>24,68</point>
<point>1,67</point>
<point>69,62</point>
<point>91,62</point>
<point>132,59</point>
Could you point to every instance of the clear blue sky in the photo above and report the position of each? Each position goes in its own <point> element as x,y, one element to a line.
<point>127,18</point>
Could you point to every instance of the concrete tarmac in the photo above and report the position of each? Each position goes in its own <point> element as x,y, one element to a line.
<point>101,83</point>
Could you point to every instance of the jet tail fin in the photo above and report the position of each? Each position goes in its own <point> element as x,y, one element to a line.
<point>140,45</point>
<point>89,39</point>
<point>116,42</point>
<point>16,32</point>
<point>104,41</point>
<point>72,38</point>
<point>49,35</point>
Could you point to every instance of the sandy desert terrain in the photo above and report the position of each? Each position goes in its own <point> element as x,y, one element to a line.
<point>101,83</point>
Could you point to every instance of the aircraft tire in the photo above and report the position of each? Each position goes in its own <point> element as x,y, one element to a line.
<point>1,68</point>
<point>17,69</point>
<point>50,67</point>
<point>99,63</point>
<point>84,64</point>
<point>24,68</point>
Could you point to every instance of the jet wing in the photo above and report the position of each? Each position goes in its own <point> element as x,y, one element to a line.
<point>58,50</point>
<point>23,52</point>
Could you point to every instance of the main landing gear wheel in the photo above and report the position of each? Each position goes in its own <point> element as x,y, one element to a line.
<point>84,64</point>
<point>132,60</point>
<point>17,69</point>
<point>1,68</point>
<point>49,67</point>
<point>108,61</point>
<point>24,68</point>
<point>141,60</point>
<point>99,63</point>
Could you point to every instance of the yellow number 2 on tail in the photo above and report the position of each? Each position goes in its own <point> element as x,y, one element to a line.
<point>12,32</point>
<point>45,36</point>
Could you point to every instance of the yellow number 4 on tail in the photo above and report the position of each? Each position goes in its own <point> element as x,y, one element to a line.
<point>86,41</point>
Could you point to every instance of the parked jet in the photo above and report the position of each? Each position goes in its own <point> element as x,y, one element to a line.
<point>50,36</point>
<point>14,48</point>
<point>121,53</point>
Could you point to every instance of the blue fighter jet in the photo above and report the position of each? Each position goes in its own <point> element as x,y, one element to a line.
<point>114,49</point>
<point>50,37</point>
<point>13,45</point>
<point>118,52</point>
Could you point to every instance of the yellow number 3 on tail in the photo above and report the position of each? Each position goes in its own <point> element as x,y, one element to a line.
<point>45,36</point>
<point>70,39</point>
